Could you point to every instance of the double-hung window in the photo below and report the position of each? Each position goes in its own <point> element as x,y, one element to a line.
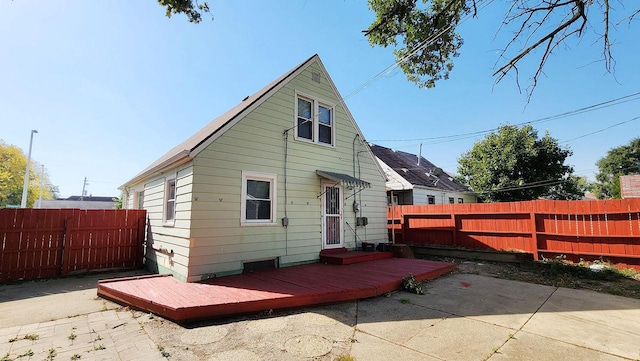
<point>170,201</point>
<point>258,198</point>
<point>314,121</point>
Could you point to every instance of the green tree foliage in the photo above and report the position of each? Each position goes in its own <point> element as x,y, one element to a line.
<point>190,8</point>
<point>13,163</point>
<point>513,164</point>
<point>622,160</point>
<point>428,32</point>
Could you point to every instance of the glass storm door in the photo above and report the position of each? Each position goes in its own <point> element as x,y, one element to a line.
<point>332,216</point>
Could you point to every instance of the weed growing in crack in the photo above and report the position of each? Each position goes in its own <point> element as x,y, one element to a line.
<point>410,284</point>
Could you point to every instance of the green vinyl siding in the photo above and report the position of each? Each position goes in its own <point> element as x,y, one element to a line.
<point>256,144</point>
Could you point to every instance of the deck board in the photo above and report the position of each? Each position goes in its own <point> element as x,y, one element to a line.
<point>282,288</point>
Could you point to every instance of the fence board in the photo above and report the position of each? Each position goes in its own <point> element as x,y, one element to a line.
<point>577,229</point>
<point>39,243</point>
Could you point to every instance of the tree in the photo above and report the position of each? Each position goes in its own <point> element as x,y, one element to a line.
<point>430,41</point>
<point>513,164</point>
<point>190,8</point>
<point>13,164</point>
<point>622,160</point>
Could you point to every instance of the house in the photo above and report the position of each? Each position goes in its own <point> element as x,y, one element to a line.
<point>86,202</point>
<point>630,186</point>
<point>412,179</point>
<point>272,182</point>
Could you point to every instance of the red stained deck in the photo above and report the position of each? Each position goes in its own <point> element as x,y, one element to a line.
<point>282,288</point>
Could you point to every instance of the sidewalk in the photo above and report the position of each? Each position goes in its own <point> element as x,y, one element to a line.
<point>462,317</point>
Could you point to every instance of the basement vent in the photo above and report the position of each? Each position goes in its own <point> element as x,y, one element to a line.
<point>315,77</point>
<point>262,265</point>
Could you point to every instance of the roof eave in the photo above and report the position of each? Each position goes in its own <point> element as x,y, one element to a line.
<point>175,161</point>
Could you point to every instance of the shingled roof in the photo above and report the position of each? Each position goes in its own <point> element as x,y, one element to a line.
<point>426,174</point>
<point>187,150</point>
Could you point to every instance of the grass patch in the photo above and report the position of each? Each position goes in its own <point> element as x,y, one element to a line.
<point>164,352</point>
<point>345,358</point>
<point>28,353</point>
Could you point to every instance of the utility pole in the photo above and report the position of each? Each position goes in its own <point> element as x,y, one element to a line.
<point>41,184</point>
<point>25,187</point>
<point>84,186</point>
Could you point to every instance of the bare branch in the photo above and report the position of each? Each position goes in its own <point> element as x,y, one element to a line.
<point>551,39</point>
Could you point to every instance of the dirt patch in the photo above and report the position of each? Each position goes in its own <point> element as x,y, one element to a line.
<point>555,273</point>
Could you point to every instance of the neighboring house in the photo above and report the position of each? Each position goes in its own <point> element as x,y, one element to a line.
<point>270,183</point>
<point>630,186</point>
<point>86,202</point>
<point>412,179</point>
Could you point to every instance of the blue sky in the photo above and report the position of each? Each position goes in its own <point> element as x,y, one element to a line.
<point>112,85</point>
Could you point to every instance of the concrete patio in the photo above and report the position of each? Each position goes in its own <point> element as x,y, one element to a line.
<point>462,317</point>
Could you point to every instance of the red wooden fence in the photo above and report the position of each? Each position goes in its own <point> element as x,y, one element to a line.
<point>589,230</point>
<point>39,243</point>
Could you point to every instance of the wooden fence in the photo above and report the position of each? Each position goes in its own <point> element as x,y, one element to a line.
<point>40,243</point>
<point>580,230</point>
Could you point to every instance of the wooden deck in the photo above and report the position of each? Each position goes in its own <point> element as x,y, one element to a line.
<point>282,288</point>
<point>352,257</point>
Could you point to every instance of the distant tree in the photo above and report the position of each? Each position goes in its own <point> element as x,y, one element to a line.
<point>13,164</point>
<point>190,8</point>
<point>513,164</point>
<point>428,32</point>
<point>622,160</point>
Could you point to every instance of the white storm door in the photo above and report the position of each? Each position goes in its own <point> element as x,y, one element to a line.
<point>332,235</point>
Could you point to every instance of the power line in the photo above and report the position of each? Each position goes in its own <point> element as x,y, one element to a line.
<point>460,136</point>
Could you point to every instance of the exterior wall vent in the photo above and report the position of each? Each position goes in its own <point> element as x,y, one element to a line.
<point>261,265</point>
<point>315,77</point>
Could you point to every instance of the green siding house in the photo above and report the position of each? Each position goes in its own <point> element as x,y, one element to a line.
<point>272,182</point>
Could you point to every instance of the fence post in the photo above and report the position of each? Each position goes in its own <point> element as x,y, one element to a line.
<point>65,248</point>
<point>534,233</point>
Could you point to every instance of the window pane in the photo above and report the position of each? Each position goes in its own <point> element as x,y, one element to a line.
<point>170,210</point>
<point>324,135</point>
<point>257,189</point>
<point>304,108</point>
<point>172,190</point>
<point>141,200</point>
<point>258,209</point>
<point>324,115</point>
<point>305,129</point>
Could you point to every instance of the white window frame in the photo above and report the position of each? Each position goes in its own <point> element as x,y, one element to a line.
<point>165,201</point>
<point>315,127</point>
<point>136,198</point>
<point>273,187</point>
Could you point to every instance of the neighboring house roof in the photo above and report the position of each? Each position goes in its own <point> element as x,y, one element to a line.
<point>88,198</point>
<point>188,149</point>
<point>630,186</point>
<point>88,202</point>
<point>407,173</point>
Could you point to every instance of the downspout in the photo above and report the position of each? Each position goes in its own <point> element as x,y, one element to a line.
<point>393,220</point>
<point>355,213</point>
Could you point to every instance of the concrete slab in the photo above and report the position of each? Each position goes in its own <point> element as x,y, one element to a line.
<point>37,301</point>
<point>592,320</point>
<point>496,301</point>
<point>525,346</point>
<point>373,348</point>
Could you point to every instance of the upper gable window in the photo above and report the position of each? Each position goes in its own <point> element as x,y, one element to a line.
<point>314,121</point>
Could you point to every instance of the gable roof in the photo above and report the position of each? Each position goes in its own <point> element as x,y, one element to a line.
<point>426,174</point>
<point>188,149</point>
